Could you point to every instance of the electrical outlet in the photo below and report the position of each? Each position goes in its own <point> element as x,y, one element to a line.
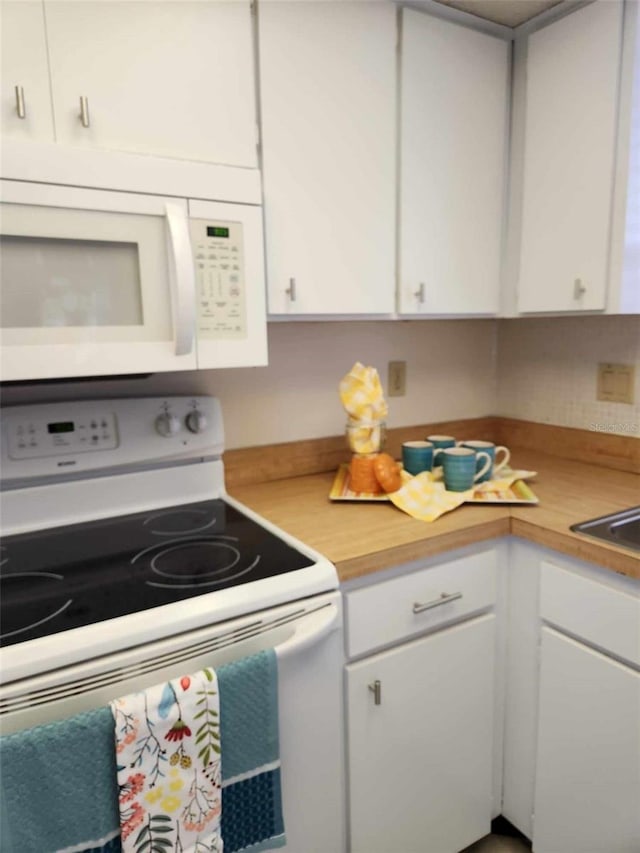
<point>615,383</point>
<point>397,379</point>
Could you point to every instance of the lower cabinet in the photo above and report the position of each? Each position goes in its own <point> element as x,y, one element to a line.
<point>423,706</point>
<point>587,793</point>
<point>420,734</point>
<point>572,710</point>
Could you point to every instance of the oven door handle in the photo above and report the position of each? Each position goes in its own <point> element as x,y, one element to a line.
<point>182,278</point>
<point>309,631</point>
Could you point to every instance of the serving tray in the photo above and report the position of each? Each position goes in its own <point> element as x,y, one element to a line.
<point>518,492</point>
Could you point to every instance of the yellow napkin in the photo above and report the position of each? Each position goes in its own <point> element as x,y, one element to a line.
<point>426,499</point>
<point>363,400</point>
<point>424,496</point>
<point>361,394</point>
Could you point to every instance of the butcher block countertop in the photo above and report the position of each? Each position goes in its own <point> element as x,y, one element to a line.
<point>361,538</point>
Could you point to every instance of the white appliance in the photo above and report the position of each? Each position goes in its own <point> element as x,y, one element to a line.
<point>125,563</point>
<point>95,282</point>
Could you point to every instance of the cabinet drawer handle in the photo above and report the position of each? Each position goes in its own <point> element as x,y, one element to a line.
<point>376,689</point>
<point>419,294</point>
<point>84,111</point>
<point>291,290</point>
<point>445,598</point>
<point>20,108</point>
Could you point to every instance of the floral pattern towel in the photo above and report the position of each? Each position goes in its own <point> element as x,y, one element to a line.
<point>169,766</point>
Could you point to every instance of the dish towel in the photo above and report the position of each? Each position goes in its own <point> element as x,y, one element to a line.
<point>58,787</point>
<point>169,770</point>
<point>59,782</point>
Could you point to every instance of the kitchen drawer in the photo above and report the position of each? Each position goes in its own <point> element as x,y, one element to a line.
<point>600,614</point>
<point>383,613</point>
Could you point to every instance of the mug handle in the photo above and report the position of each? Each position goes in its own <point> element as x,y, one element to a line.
<point>485,467</point>
<point>436,452</point>
<point>498,466</point>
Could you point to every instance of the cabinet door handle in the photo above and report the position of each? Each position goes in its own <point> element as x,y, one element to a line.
<point>578,288</point>
<point>376,688</point>
<point>20,108</point>
<point>291,290</point>
<point>445,598</point>
<point>419,294</point>
<point>84,111</point>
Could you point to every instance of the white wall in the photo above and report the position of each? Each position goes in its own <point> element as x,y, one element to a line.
<point>547,370</point>
<point>544,371</point>
<point>451,373</point>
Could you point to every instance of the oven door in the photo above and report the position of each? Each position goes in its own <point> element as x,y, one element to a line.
<point>94,283</point>
<point>307,639</point>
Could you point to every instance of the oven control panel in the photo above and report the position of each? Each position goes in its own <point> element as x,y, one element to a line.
<point>59,439</point>
<point>34,436</point>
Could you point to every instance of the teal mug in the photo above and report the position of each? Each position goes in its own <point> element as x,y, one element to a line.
<point>440,443</point>
<point>459,467</point>
<point>493,451</point>
<point>417,456</point>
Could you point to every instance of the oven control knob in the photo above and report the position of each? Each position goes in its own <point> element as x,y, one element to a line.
<point>167,424</point>
<point>196,421</point>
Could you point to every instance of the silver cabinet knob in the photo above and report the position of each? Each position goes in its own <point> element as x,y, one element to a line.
<point>20,107</point>
<point>196,421</point>
<point>167,424</point>
<point>376,688</point>
<point>419,294</point>
<point>579,289</point>
<point>291,290</point>
<point>84,111</point>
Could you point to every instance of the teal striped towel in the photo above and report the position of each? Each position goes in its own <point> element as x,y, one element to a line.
<point>59,784</point>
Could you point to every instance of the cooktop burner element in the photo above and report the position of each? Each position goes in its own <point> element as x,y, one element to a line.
<point>67,577</point>
<point>181,520</point>
<point>197,562</point>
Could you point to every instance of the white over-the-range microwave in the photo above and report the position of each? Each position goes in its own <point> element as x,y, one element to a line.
<point>97,282</point>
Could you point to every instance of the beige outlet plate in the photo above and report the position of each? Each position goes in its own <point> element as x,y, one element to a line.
<point>397,379</point>
<point>615,383</point>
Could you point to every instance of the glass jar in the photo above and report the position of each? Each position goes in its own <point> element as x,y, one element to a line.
<point>366,436</point>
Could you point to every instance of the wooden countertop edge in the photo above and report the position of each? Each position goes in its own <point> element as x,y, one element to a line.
<point>428,547</point>
<point>574,545</point>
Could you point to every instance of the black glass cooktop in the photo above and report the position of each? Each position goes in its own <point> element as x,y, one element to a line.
<point>66,577</point>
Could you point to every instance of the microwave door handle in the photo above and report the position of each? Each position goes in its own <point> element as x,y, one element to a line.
<point>181,278</point>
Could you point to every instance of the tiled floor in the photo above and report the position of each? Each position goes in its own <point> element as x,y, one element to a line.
<point>498,844</point>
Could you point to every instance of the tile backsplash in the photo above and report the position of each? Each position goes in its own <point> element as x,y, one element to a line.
<point>547,371</point>
<point>538,369</point>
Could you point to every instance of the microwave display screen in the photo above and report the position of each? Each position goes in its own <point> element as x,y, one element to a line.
<point>217,231</point>
<point>62,426</point>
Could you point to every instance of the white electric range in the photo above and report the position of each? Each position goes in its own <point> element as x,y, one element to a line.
<point>124,562</point>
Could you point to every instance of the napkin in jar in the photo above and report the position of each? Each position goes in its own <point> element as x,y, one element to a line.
<point>363,399</point>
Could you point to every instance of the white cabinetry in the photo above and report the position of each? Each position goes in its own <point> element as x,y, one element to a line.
<point>26,99</point>
<point>166,79</point>
<point>421,713</point>
<point>170,79</point>
<point>572,713</point>
<point>587,796</point>
<point>571,112</point>
<point>453,130</point>
<point>327,81</point>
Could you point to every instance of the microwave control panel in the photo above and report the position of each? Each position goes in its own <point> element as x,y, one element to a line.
<point>220,279</point>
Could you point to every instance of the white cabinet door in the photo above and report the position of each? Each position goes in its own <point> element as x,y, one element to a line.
<point>174,79</point>
<point>26,99</point>
<point>327,81</point>
<point>420,762</point>
<point>452,167</point>
<point>588,759</point>
<point>570,134</point>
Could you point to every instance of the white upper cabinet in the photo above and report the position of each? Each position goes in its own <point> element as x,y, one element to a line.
<point>26,99</point>
<point>328,82</point>
<point>572,70</point>
<point>173,79</point>
<point>454,85</point>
